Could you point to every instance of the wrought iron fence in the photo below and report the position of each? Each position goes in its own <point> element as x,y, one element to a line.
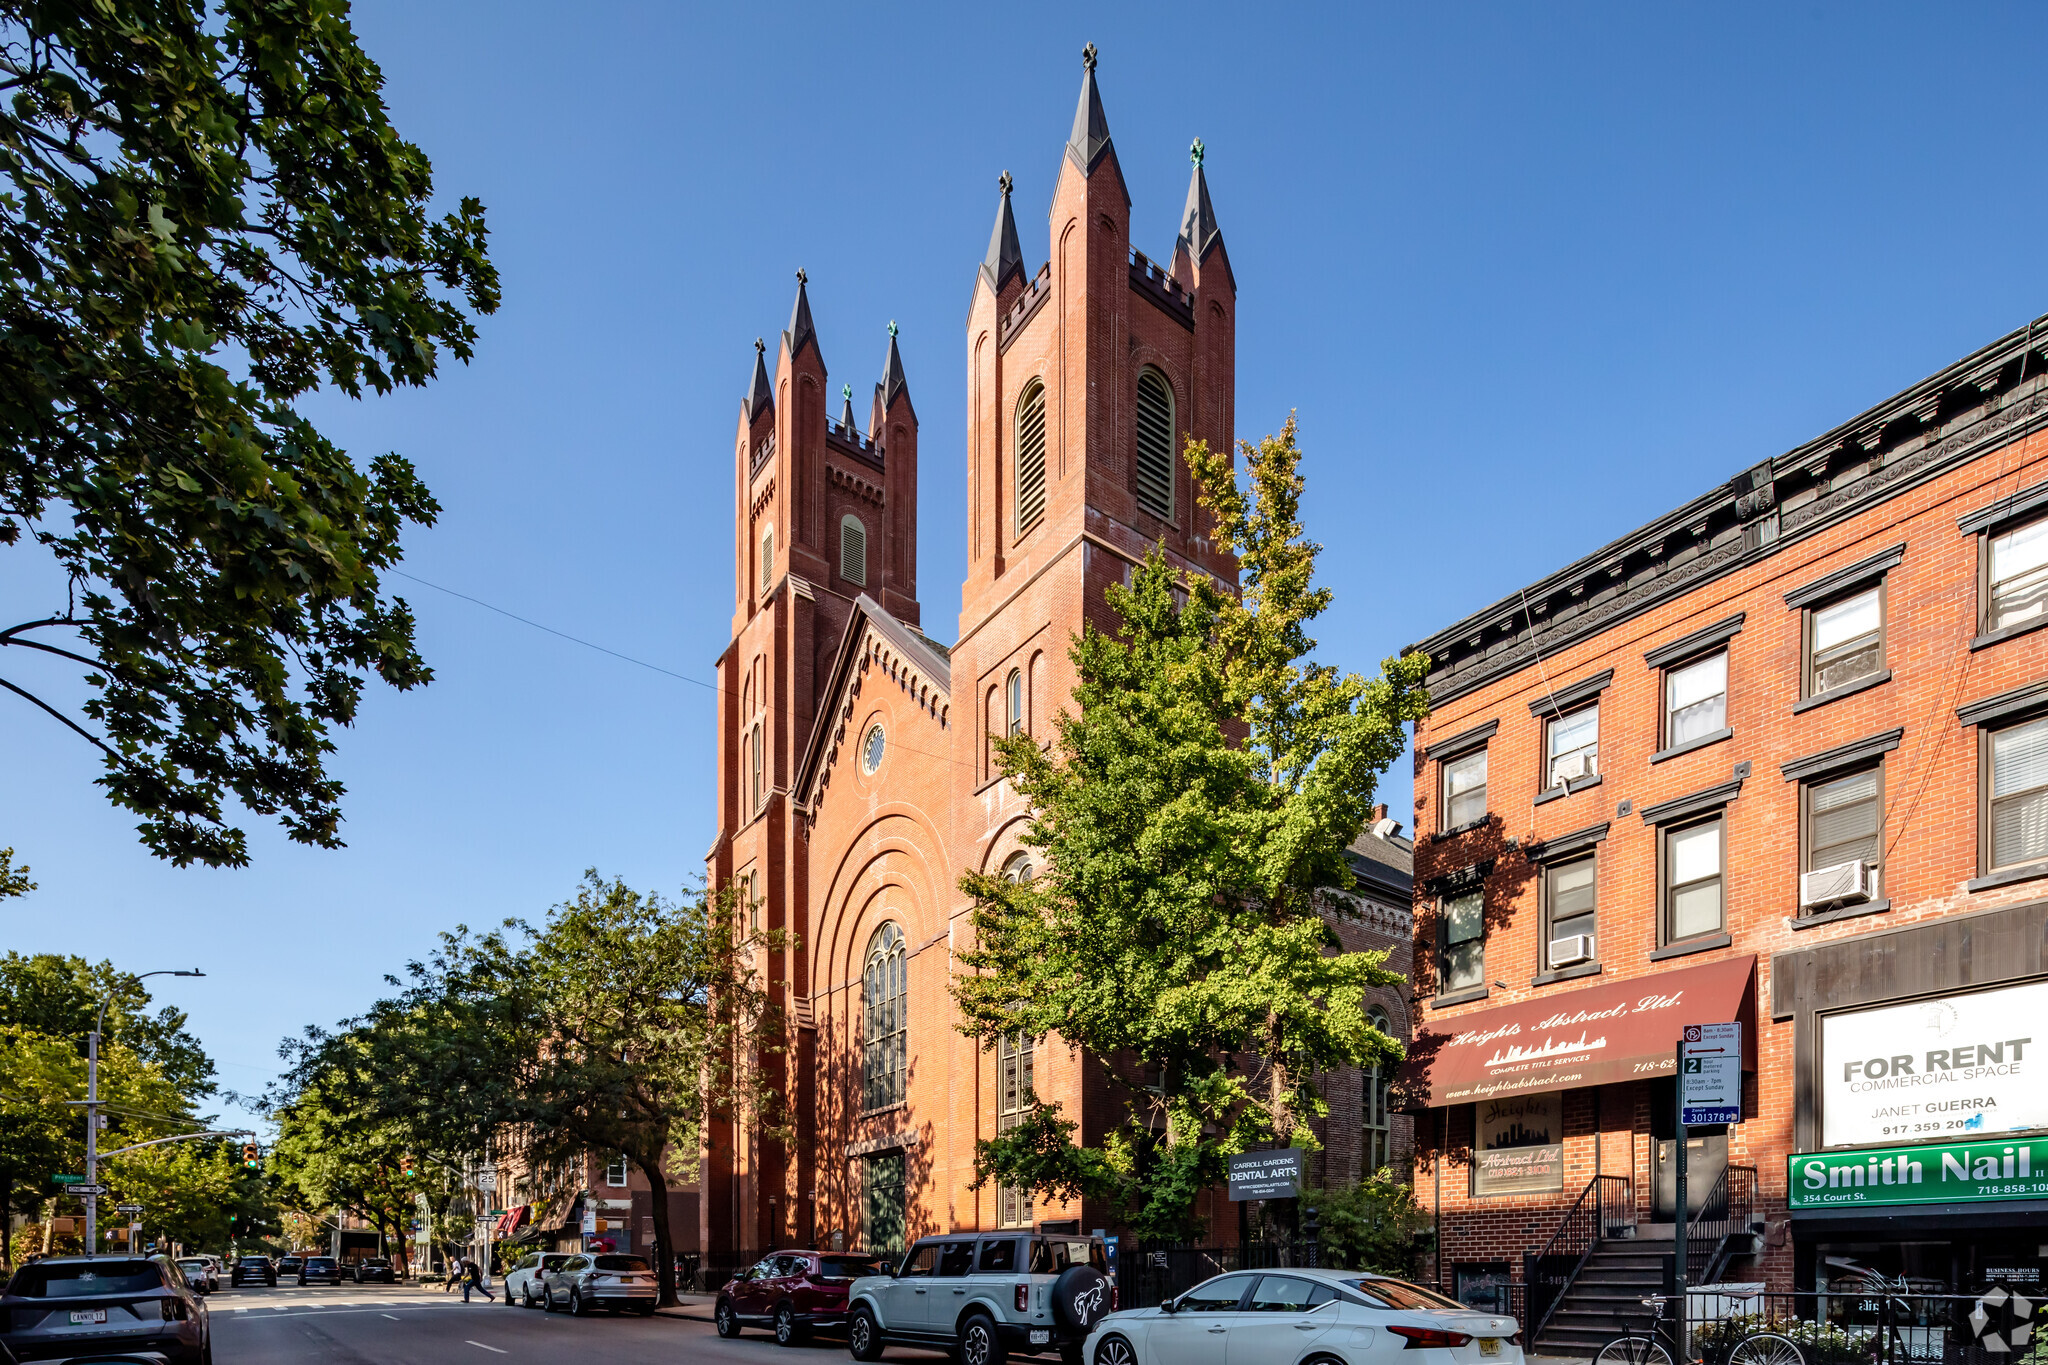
<point>1869,1322</point>
<point>1148,1277</point>
<point>1723,1215</point>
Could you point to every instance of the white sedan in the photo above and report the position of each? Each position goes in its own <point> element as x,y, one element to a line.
<point>1304,1317</point>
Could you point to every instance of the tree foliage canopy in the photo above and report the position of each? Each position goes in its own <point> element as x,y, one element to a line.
<point>205,215</point>
<point>1192,815</point>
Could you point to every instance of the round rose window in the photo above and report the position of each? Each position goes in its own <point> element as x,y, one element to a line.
<point>871,750</point>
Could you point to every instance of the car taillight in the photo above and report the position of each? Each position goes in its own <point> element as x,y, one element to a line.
<point>1023,1297</point>
<point>1422,1338</point>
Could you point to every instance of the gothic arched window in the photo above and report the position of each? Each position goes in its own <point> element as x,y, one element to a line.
<point>853,549</point>
<point>1155,443</point>
<point>1013,703</point>
<point>1030,457</point>
<point>1378,1147</point>
<point>884,989</point>
<point>1017,868</point>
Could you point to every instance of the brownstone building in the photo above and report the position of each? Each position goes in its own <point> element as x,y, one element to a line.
<point>855,780</point>
<point>1778,758</point>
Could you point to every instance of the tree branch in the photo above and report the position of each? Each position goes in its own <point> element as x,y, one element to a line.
<point>82,732</point>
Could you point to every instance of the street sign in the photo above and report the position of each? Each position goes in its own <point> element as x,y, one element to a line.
<point>1710,1075</point>
<point>88,1191</point>
<point>589,1222</point>
<point>487,1182</point>
<point>128,1208</point>
<point>69,1179</point>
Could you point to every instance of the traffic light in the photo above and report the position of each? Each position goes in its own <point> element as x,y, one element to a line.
<point>251,1157</point>
<point>408,1167</point>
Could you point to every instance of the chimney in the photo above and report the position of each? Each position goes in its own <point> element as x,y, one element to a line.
<point>1379,812</point>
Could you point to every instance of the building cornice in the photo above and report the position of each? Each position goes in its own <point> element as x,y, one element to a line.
<point>1979,403</point>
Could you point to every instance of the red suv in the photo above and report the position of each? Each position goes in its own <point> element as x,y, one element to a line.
<point>792,1292</point>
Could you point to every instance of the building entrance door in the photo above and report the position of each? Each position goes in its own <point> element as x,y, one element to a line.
<point>882,1204</point>
<point>1705,1159</point>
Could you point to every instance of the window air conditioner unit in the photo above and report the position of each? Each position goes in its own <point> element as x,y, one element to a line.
<point>1573,948</point>
<point>1568,769</point>
<point>1841,884</point>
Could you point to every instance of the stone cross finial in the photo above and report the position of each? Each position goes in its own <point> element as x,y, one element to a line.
<point>1088,56</point>
<point>846,391</point>
<point>1003,183</point>
<point>802,278</point>
<point>892,327</point>
<point>1195,151</point>
<point>760,346</point>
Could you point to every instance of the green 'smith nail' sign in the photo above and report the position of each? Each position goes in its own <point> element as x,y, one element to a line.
<point>1937,1173</point>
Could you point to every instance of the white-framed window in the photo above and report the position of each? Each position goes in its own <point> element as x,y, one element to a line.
<point>1030,457</point>
<point>1464,799</point>
<point>884,992</point>
<point>1696,698</point>
<point>615,1173</point>
<point>1573,744</point>
<point>1013,703</point>
<point>1377,1149</point>
<point>853,549</point>
<point>1155,443</point>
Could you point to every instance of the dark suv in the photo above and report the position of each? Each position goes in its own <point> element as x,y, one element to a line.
<point>319,1270</point>
<point>104,1308</point>
<point>253,1270</point>
<point>792,1292</point>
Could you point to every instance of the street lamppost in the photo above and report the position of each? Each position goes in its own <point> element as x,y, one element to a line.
<point>92,1113</point>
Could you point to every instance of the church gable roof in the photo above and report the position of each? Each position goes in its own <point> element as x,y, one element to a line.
<point>916,663</point>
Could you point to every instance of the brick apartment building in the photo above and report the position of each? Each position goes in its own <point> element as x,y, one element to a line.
<point>855,778</point>
<point>1779,757</point>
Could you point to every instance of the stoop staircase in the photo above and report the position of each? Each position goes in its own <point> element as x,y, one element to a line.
<point>1607,1293</point>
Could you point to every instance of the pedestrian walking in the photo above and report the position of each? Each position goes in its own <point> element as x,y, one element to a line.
<point>454,1276</point>
<point>472,1278</point>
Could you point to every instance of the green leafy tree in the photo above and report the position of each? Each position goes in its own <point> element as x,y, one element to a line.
<point>330,1154</point>
<point>1368,1226</point>
<point>13,880</point>
<point>1191,813</point>
<point>206,215</point>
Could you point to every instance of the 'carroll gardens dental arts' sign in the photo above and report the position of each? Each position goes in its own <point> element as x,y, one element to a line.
<point>1935,1173</point>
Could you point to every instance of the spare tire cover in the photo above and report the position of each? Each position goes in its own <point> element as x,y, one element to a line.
<point>1080,1297</point>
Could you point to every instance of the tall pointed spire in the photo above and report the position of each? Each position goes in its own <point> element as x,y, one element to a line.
<point>846,412</point>
<point>1005,256</point>
<point>760,395</point>
<point>801,330</point>
<point>1198,229</point>
<point>893,381</point>
<point>1090,138</point>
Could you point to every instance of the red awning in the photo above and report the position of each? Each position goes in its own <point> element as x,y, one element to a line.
<point>509,1223</point>
<point>1619,1031</point>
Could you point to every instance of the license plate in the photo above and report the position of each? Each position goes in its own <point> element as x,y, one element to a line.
<point>1040,1336</point>
<point>1489,1346</point>
<point>88,1315</point>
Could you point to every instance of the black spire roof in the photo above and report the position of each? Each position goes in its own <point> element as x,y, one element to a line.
<point>1091,126</point>
<point>1005,256</point>
<point>801,331</point>
<point>1198,220</point>
<point>760,394</point>
<point>893,381</point>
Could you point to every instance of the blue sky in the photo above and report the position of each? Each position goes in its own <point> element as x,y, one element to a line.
<point>1531,275</point>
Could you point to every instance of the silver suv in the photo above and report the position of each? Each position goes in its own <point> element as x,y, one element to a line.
<point>986,1296</point>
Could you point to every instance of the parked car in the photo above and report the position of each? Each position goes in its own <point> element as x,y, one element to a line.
<point>289,1264</point>
<point>985,1295</point>
<point>79,1308</point>
<point>253,1270</point>
<point>374,1270</point>
<point>523,1282</point>
<point>603,1280</point>
<point>319,1270</point>
<point>215,1264</point>
<point>792,1292</point>
<point>199,1274</point>
<point>1341,1316</point>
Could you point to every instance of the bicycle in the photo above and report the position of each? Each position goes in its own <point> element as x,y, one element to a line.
<point>1658,1345</point>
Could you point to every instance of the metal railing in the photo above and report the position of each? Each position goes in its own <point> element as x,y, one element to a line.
<point>1864,1321</point>
<point>1605,1206</point>
<point>1148,1277</point>
<point>1723,1216</point>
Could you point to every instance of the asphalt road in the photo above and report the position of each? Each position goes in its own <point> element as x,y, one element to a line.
<point>403,1325</point>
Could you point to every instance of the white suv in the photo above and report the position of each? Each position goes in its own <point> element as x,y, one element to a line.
<point>986,1296</point>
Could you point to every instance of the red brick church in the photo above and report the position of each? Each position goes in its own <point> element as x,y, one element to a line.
<point>855,782</point>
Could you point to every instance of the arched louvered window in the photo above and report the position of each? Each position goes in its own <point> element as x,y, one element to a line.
<point>1013,702</point>
<point>1031,457</point>
<point>884,992</point>
<point>853,550</point>
<point>1155,443</point>
<point>767,559</point>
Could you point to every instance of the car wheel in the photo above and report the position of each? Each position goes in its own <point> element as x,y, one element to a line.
<point>547,1300</point>
<point>526,1297</point>
<point>788,1331</point>
<point>577,1307</point>
<point>1115,1351</point>
<point>979,1343</point>
<point>728,1322</point>
<point>863,1334</point>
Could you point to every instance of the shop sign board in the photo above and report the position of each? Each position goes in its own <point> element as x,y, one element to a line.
<point>1955,1067</point>
<point>1265,1175</point>
<point>1930,1173</point>
<point>1710,1075</point>
<point>1518,1147</point>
